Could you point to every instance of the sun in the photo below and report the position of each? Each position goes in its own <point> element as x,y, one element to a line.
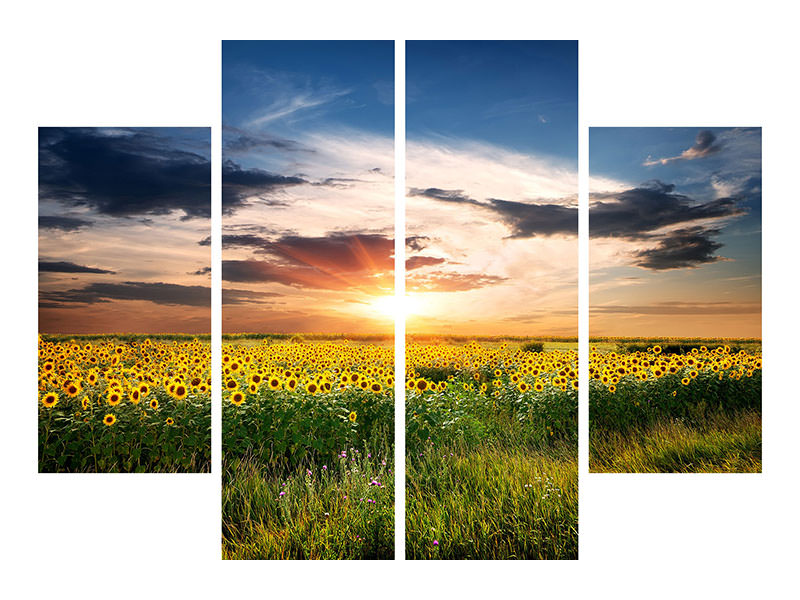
<point>396,306</point>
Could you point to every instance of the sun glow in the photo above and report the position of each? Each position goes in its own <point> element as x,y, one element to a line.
<point>396,306</point>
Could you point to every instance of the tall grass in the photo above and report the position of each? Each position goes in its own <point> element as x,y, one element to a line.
<point>486,502</point>
<point>342,511</point>
<point>720,443</point>
<point>491,476</point>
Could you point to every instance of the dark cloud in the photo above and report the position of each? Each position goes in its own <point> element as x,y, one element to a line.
<point>334,252</point>
<point>239,184</point>
<point>203,271</point>
<point>128,173</point>
<point>63,223</point>
<point>444,195</point>
<point>529,220</point>
<point>524,219</point>
<point>417,242</point>
<point>233,296</point>
<point>440,281</point>
<point>679,249</point>
<point>704,145</point>
<point>67,267</point>
<point>415,262</point>
<point>158,293</point>
<point>336,261</point>
<point>633,214</point>
<point>238,141</point>
<point>682,308</point>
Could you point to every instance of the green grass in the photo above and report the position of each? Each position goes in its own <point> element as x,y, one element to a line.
<point>490,476</point>
<point>720,443</point>
<point>484,502</point>
<point>310,513</point>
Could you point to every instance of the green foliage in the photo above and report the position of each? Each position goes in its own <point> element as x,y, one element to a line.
<point>139,441</point>
<point>532,346</point>
<point>286,430</point>
<point>636,403</point>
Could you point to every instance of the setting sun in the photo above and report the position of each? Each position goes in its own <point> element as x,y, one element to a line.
<point>396,306</point>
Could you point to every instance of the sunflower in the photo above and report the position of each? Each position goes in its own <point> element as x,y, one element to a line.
<point>154,404</point>
<point>72,389</point>
<point>135,395</point>
<point>523,387</point>
<point>109,420</point>
<point>274,383</point>
<point>231,385</point>
<point>237,398</point>
<point>180,391</point>
<point>113,398</point>
<point>169,421</point>
<point>312,388</point>
<point>50,399</point>
<point>376,387</point>
<point>352,416</point>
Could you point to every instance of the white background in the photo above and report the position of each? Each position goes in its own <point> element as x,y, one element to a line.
<point>158,63</point>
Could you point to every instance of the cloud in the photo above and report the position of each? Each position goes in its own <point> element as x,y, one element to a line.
<point>68,267</point>
<point>203,271</point>
<point>440,281</point>
<point>238,185</point>
<point>158,293</point>
<point>417,242</point>
<point>635,213</point>
<point>679,249</point>
<point>63,223</point>
<point>234,296</point>
<point>122,173</point>
<point>682,308</point>
<point>288,104</point>
<point>334,252</point>
<point>703,146</point>
<point>415,262</point>
<point>524,219</point>
<point>238,141</point>
<point>336,261</point>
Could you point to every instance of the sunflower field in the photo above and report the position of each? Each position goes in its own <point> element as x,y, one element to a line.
<point>308,446</point>
<point>139,406</point>
<point>491,443</point>
<point>698,410</point>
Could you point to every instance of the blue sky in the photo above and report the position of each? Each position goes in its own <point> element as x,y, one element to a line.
<point>491,179</point>
<point>308,202</point>
<point>521,95</point>
<point>675,220</point>
<point>289,88</point>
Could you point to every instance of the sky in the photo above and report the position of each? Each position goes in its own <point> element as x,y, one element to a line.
<point>675,227</point>
<point>122,212</point>
<point>308,192</point>
<point>492,184</point>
